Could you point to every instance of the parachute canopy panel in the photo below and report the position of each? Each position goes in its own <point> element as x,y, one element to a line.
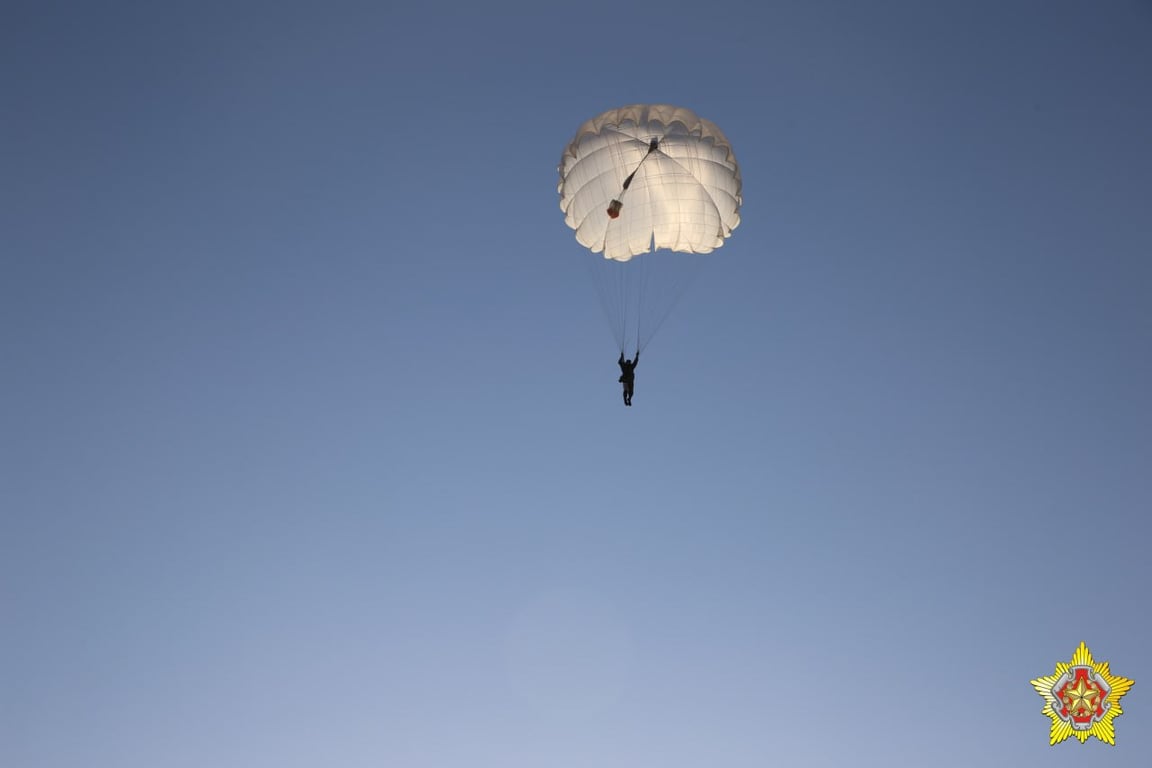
<point>650,175</point>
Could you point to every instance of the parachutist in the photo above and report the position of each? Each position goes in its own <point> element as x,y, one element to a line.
<point>628,375</point>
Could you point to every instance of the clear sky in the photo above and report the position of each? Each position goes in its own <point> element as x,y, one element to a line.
<point>312,451</point>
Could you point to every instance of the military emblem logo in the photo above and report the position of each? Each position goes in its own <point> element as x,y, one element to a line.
<point>1082,698</point>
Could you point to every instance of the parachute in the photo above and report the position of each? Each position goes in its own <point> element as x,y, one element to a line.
<point>644,178</point>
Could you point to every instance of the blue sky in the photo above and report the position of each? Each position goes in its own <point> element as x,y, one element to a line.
<point>313,451</point>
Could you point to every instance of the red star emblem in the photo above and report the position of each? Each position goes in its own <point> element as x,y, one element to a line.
<point>1082,697</point>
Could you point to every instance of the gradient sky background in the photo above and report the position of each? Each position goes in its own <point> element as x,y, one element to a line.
<point>313,452</point>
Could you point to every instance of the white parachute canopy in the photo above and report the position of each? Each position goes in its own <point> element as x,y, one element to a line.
<point>641,177</point>
<point>672,175</point>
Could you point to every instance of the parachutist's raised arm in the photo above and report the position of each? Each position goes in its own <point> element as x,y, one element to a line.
<point>636,360</point>
<point>621,360</point>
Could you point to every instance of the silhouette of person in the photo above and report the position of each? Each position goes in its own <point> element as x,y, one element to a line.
<point>628,375</point>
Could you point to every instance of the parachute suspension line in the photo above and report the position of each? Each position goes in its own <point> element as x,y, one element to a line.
<point>610,151</point>
<point>640,299</point>
<point>621,299</point>
<point>615,288</point>
<point>610,296</point>
<point>645,282</point>
<point>627,285</point>
<point>660,321</point>
<point>688,271</point>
